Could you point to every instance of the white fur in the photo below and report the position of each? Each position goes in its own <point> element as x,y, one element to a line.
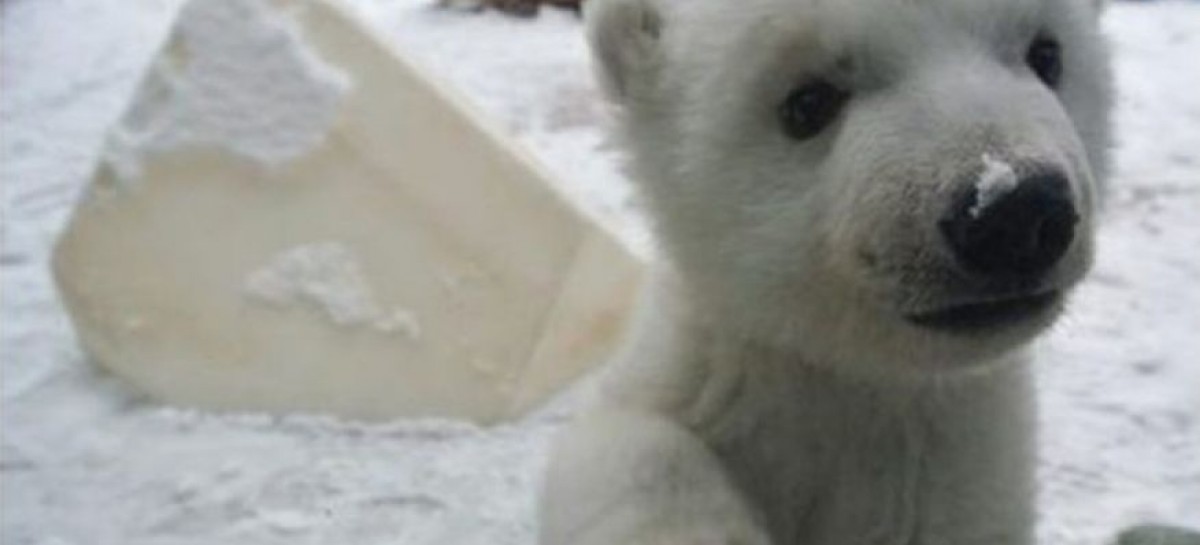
<point>775,392</point>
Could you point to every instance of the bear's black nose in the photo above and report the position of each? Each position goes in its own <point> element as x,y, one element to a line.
<point>1017,231</point>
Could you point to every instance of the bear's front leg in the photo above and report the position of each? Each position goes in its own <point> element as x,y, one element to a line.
<point>621,477</point>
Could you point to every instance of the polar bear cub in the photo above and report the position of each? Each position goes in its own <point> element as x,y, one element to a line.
<point>866,208</point>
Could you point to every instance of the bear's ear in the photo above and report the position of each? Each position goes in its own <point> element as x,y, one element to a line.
<point>625,40</point>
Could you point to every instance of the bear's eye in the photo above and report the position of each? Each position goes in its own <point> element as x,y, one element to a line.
<point>1045,59</point>
<point>809,109</point>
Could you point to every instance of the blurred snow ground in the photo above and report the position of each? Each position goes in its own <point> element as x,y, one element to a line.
<point>85,462</point>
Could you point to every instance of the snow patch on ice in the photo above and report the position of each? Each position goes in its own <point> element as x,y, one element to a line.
<point>326,275</point>
<point>237,76</point>
<point>400,320</point>
<point>997,180</point>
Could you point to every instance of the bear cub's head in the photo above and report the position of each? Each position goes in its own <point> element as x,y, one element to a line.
<point>876,185</point>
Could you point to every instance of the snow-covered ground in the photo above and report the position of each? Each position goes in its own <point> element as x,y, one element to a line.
<point>86,462</point>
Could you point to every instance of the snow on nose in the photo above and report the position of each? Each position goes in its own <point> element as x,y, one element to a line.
<point>1011,226</point>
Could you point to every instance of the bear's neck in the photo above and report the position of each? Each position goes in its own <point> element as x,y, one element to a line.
<point>684,361</point>
<point>781,425</point>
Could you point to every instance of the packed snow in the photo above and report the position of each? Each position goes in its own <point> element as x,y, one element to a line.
<point>271,110</point>
<point>85,461</point>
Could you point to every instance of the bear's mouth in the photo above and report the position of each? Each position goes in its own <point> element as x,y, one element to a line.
<point>989,314</point>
